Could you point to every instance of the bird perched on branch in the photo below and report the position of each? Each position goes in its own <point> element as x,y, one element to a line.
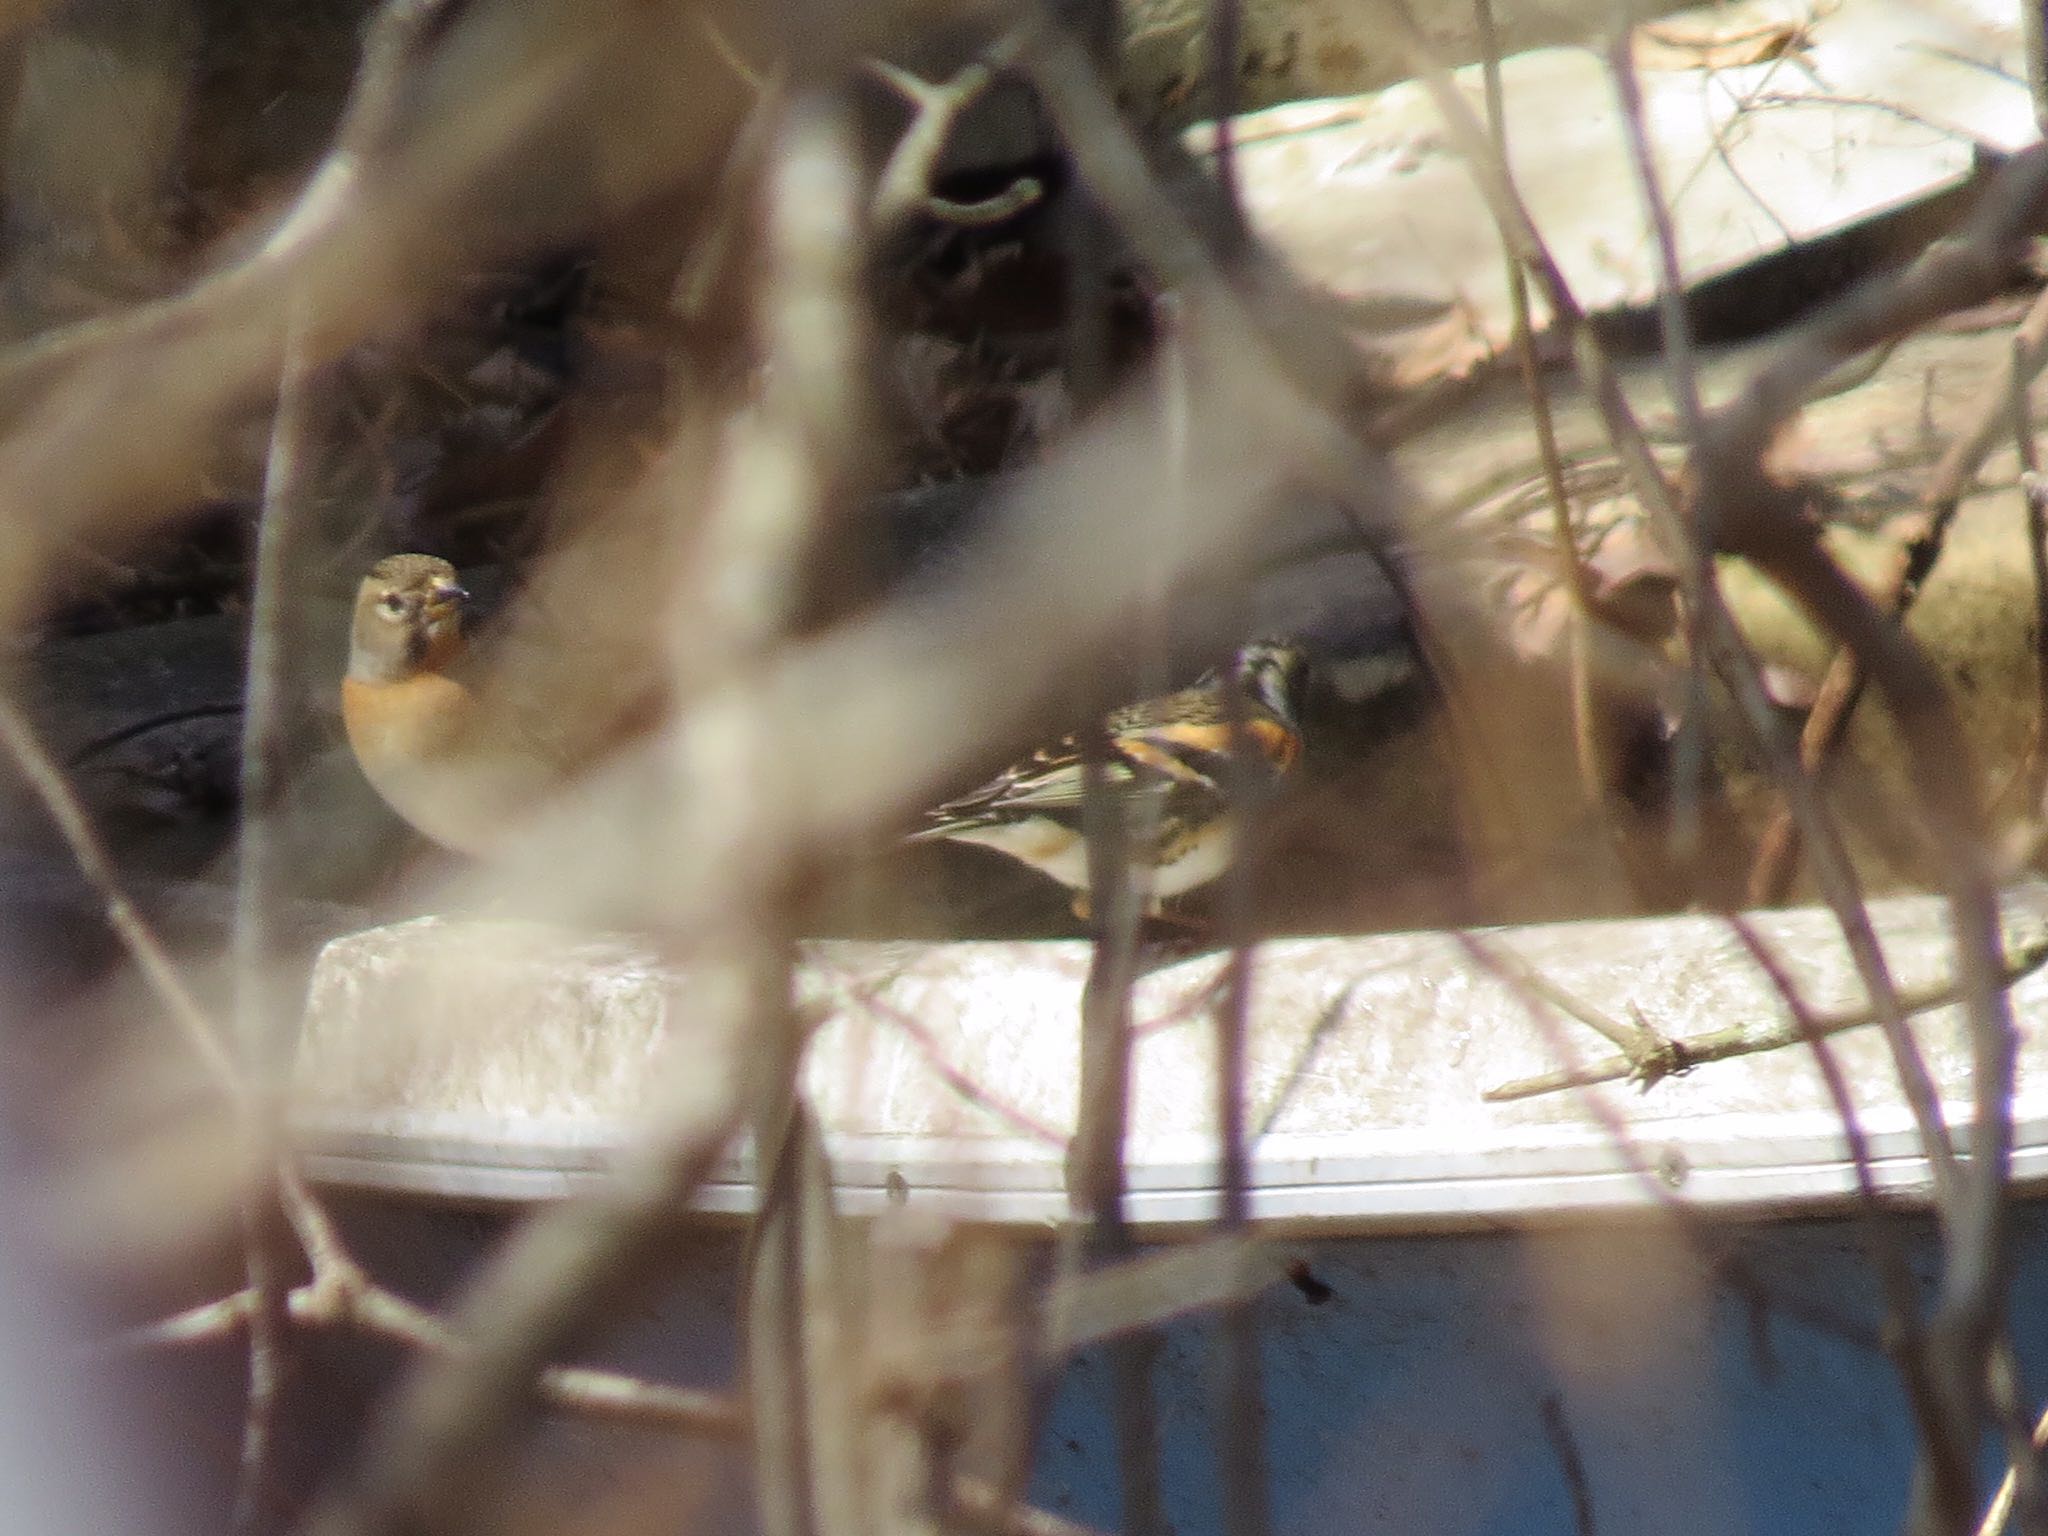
<point>1169,762</point>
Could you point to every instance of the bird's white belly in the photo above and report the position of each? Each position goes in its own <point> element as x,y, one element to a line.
<point>1040,842</point>
<point>1061,853</point>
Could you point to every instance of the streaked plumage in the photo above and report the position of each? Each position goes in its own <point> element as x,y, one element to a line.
<point>1168,760</point>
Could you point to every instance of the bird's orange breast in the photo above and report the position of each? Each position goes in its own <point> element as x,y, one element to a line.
<point>414,741</point>
<point>401,724</point>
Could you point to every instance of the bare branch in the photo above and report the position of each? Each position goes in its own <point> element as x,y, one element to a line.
<point>2024,790</point>
<point>60,802</point>
<point>113,416</point>
<point>905,186</point>
<point>265,1023</point>
<point>1998,1513</point>
<point>1921,546</point>
<point>868,994</point>
<point>1938,1436</point>
<point>1953,274</point>
<point>208,1323</point>
<point>1707,1239</point>
<point>980,1507</point>
<point>603,1396</point>
<point>1688,768</point>
<point>1564,1445</point>
<point>1764,521</point>
<point>569,1268</point>
<point>1655,1057</point>
<point>566,1270</point>
<point>1726,649</point>
<point>1571,560</point>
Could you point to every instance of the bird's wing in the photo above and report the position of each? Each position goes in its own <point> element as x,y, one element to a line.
<point>1052,781</point>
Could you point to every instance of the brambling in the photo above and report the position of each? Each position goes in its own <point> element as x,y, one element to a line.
<point>1169,763</point>
<point>460,763</point>
<point>409,714</point>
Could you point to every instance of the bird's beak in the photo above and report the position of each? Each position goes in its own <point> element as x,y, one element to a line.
<point>446,601</point>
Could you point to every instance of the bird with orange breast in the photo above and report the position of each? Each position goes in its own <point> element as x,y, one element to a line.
<point>459,765</point>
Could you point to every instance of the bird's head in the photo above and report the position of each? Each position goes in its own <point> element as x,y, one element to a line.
<point>1272,674</point>
<point>408,619</point>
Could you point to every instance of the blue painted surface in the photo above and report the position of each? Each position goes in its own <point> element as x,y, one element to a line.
<point>1410,1400</point>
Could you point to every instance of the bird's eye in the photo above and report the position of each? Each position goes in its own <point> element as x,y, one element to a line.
<point>392,604</point>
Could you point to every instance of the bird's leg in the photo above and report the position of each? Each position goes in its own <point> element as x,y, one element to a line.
<point>1185,922</point>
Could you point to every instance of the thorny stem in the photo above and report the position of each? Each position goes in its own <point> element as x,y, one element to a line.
<point>1704,1237</point>
<point>1651,1057</point>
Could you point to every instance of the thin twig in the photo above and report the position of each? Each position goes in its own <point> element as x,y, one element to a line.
<point>1766,522</point>
<point>161,975</point>
<point>982,1508</point>
<point>159,972</point>
<point>1814,1029</point>
<point>905,185</point>
<point>2033,776</point>
<point>782,1328</point>
<point>1224,22</point>
<point>2003,1499</point>
<point>1905,1333</point>
<point>1727,650</point>
<point>602,1396</point>
<point>1921,546</point>
<point>1763,521</point>
<point>869,995</point>
<point>262,880</point>
<point>1955,273</point>
<point>568,1269</point>
<point>362,1305</point>
<point>309,1220</point>
<point>1659,1056</point>
<point>1638,1042</point>
<point>1707,1240</point>
<point>1689,755</point>
<point>1564,1445</point>
<point>1239,1393</point>
<point>1240,1397</point>
<point>1096,1175</point>
<point>269,1360</point>
<point>1571,560</point>
<point>2023,1457</point>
